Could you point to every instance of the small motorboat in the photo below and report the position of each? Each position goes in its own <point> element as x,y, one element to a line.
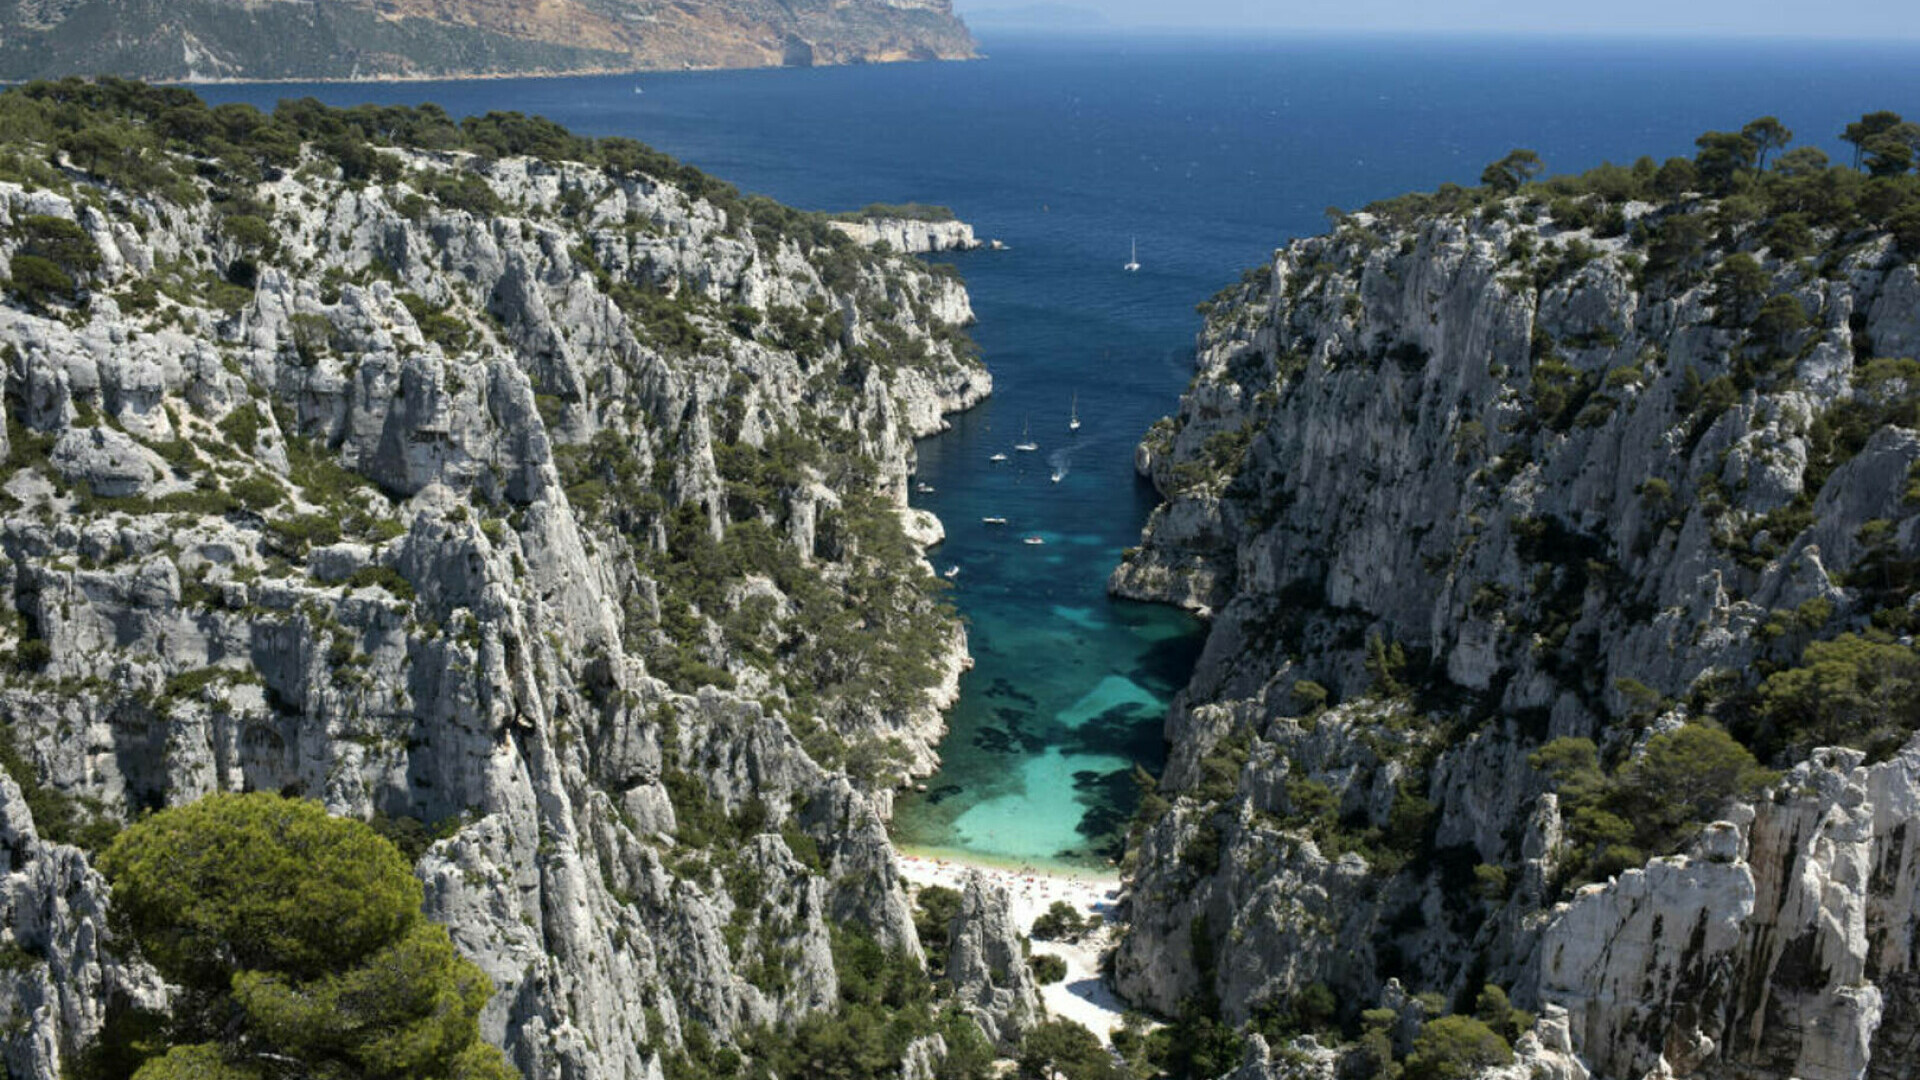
<point>953,571</point>
<point>923,488</point>
<point>997,458</point>
<point>993,521</point>
<point>1033,540</point>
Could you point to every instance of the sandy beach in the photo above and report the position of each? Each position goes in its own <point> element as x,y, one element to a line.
<point>1081,997</point>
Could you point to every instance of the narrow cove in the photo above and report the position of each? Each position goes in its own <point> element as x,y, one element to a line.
<point>1208,153</point>
<point>1069,688</point>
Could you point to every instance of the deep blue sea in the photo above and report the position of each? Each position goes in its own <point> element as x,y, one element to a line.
<point>1211,152</point>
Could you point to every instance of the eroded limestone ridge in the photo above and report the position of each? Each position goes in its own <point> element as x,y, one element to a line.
<point>202,40</point>
<point>538,498</point>
<point>1534,530</point>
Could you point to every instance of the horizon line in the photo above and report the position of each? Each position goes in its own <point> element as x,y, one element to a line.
<point>1113,29</point>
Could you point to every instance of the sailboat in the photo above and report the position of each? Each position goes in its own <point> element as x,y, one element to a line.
<point>1026,445</point>
<point>1133,261</point>
<point>1073,419</point>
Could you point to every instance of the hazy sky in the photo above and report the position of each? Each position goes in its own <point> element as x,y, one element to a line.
<point>1828,18</point>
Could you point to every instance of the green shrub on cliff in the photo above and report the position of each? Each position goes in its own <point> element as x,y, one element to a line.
<point>1652,804</point>
<point>1778,199</point>
<point>1454,1048</point>
<point>1858,690</point>
<point>299,941</point>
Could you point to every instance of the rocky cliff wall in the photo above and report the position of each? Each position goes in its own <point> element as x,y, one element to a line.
<point>1456,484</point>
<point>909,236</point>
<point>551,514</point>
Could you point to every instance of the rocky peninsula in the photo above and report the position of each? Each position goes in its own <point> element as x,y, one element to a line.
<point>221,40</point>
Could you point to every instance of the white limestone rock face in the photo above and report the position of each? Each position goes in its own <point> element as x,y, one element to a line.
<point>1770,945</point>
<point>109,462</point>
<point>909,236</point>
<point>70,969</point>
<point>406,528</point>
<point>1450,486</point>
<point>988,967</point>
<point>1302,1059</point>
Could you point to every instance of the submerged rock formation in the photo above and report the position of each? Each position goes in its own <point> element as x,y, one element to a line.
<point>1495,505</point>
<point>545,508</point>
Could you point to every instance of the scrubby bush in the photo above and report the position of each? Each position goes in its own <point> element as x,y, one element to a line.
<point>299,939</point>
<point>35,280</point>
<point>934,911</point>
<point>1060,922</point>
<point>1064,1050</point>
<point>1048,968</point>
<point>1454,1048</point>
<point>1653,803</point>
<point>1856,690</point>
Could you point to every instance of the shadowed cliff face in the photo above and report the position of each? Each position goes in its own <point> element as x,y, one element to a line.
<point>370,39</point>
<point>559,508</point>
<point>1454,485</point>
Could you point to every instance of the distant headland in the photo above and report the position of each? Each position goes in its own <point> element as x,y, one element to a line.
<point>348,40</point>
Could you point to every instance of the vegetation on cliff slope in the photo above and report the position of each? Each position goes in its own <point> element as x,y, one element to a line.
<point>1752,401</point>
<point>436,464</point>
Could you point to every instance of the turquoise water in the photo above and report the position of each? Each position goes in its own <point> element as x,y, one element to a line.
<point>1211,152</point>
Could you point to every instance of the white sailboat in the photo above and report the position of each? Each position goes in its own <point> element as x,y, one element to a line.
<point>1073,418</point>
<point>1133,261</point>
<point>1026,445</point>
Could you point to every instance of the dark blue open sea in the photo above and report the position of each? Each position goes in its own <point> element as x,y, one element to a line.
<point>1211,152</point>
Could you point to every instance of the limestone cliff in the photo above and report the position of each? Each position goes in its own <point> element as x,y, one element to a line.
<point>1462,478</point>
<point>200,40</point>
<point>545,507</point>
<point>987,965</point>
<point>910,236</point>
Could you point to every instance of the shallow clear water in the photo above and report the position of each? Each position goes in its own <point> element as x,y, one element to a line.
<point>1212,152</point>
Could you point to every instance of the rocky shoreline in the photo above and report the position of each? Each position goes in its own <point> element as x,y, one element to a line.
<point>910,236</point>
<point>206,41</point>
